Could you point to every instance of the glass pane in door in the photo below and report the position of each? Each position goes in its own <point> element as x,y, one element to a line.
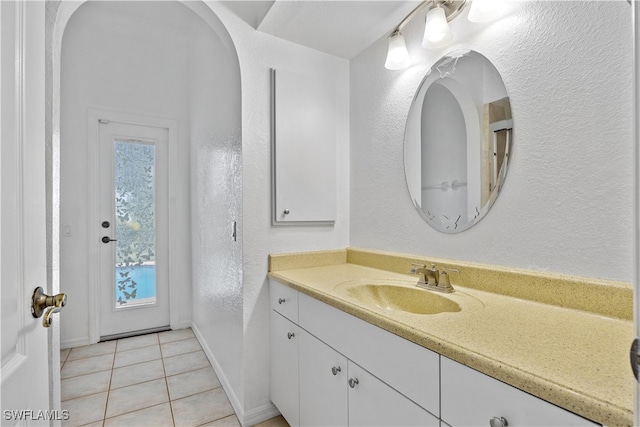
<point>135,223</point>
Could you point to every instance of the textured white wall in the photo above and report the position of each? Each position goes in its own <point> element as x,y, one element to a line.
<point>567,203</point>
<point>258,53</point>
<point>113,59</point>
<point>216,200</point>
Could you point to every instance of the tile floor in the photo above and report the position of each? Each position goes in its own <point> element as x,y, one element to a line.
<point>161,379</point>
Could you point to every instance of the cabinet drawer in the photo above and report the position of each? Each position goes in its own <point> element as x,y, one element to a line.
<point>407,367</point>
<point>284,300</point>
<point>472,398</point>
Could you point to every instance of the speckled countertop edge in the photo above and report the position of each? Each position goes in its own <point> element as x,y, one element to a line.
<point>545,388</point>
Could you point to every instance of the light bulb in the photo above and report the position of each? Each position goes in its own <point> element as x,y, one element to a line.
<point>484,10</point>
<point>436,30</point>
<point>397,55</point>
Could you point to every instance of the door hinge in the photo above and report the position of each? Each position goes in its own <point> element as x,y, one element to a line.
<point>634,357</point>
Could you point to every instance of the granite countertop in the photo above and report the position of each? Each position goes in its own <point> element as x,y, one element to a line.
<point>572,358</point>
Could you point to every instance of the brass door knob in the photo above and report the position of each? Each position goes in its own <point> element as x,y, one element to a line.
<point>47,304</point>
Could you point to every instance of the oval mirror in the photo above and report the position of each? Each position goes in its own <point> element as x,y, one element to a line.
<point>458,141</point>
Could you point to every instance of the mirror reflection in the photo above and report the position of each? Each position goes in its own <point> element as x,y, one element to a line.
<point>458,141</point>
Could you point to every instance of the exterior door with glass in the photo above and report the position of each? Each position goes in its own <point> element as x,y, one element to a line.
<point>131,233</point>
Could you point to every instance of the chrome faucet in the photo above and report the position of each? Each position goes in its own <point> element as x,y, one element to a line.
<point>432,278</point>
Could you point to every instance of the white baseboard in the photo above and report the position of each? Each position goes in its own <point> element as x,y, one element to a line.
<point>258,415</point>
<point>246,418</point>
<point>226,385</point>
<point>75,342</point>
<point>181,325</point>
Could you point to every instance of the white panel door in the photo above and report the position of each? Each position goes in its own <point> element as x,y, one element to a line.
<point>131,232</point>
<point>25,371</point>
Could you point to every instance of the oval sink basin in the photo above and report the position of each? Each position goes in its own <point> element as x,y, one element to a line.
<point>400,298</point>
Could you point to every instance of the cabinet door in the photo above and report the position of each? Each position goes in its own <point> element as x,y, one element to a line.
<point>374,403</point>
<point>472,398</point>
<point>323,383</point>
<point>304,148</point>
<point>284,367</point>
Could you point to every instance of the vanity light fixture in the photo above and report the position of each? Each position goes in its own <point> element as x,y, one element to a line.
<point>436,29</point>
<point>398,55</point>
<point>437,32</point>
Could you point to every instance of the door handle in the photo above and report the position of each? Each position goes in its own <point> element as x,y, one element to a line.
<point>47,304</point>
<point>107,239</point>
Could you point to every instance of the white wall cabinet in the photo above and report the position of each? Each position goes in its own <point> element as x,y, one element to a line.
<point>339,370</point>
<point>303,148</point>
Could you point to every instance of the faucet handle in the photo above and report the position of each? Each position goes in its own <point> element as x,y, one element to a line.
<point>443,279</point>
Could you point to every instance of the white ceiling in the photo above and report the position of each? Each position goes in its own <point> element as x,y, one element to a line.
<point>342,28</point>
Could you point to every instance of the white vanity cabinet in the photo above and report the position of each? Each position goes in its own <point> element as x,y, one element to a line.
<point>472,398</point>
<point>340,382</point>
<point>335,391</point>
<point>329,368</point>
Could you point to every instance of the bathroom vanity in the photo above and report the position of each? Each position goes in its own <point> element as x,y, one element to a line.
<point>356,345</point>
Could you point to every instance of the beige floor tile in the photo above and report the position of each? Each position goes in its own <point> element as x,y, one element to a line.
<point>64,353</point>
<point>155,416</point>
<point>137,342</point>
<point>84,385</point>
<point>95,424</point>
<point>175,335</point>
<point>231,421</point>
<point>201,408</point>
<point>136,397</point>
<point>174,348</point>
<point>192,382</point>
<point>92,350</point>
<point>85,410</point>
<point>74,368</point>
<point>138,373</point>
<point>139,355</point>
<point>278,421</point>
<point>185,362</point>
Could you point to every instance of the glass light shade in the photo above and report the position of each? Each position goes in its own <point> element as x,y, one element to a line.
<point>484,10</point>
<point>397,55</point>
<point>436,30</point>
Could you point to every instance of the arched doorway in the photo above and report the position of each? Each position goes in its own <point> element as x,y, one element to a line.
<point>210,133</point>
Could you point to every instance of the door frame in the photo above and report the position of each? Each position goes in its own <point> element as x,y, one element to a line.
<point>635,22</point>
<point>93,160</point>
